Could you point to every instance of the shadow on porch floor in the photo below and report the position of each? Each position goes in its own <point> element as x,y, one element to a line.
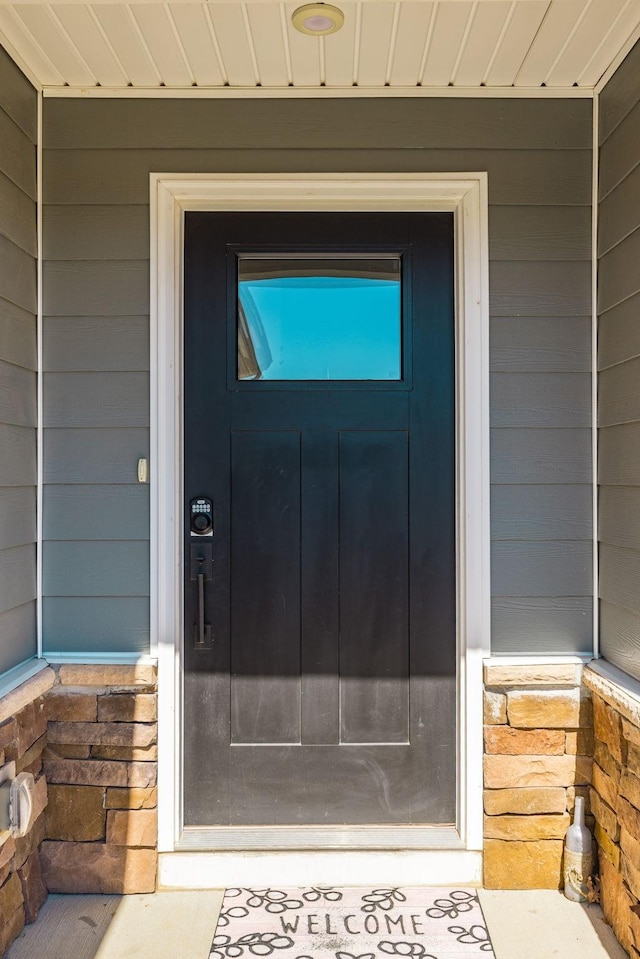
<point>179,925</point>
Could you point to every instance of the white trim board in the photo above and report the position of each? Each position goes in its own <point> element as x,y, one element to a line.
<point>541,659</point>
<point>100,659</point>
<point>20,674</point>
<point>184,870</point>
<point>465,195</point>
<point>40,382</point>
<point>624,684</point>
<point>316,93</point>
<point>595,213</point>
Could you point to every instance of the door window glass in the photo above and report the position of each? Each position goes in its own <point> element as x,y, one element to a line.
<point>319,318</point>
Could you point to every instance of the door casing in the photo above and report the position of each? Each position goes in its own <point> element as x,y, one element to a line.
<point>466,196</point>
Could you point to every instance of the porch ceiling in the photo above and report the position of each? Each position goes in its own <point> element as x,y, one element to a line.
<point>407,44</point>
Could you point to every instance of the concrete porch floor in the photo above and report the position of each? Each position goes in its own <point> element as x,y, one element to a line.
<point>536,924</point>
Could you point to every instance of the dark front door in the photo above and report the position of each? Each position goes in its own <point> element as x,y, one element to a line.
<point>320,610</point>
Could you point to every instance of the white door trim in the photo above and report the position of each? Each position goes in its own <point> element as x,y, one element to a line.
<point>464,194</point>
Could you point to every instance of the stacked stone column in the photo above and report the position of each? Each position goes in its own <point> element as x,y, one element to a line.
<point>538,738</point>
<point>88,734</point>
<point>23,736</point>
<point>101,767</point>
<point>615,800</point>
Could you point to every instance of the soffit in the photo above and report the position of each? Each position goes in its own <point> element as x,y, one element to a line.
<point>408,45</point>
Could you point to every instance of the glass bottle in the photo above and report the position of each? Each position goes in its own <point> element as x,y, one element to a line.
<point>578,856</point>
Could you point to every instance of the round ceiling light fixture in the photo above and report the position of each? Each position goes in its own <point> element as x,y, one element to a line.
<point>317,19</point>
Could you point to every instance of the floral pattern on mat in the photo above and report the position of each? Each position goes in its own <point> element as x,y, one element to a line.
<point>330,922</point>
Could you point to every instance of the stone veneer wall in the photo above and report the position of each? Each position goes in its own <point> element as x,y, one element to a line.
<point>23,736</point>
<point>101,769</point>
<point>538,739</point>
<point>615,801</point>
<point>99,755</point>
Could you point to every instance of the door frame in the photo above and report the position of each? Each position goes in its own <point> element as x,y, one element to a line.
<point>464,194</point>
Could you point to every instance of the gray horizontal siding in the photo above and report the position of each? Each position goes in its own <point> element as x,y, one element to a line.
<point>96,287</point>
<point>541,569</point>
<point>618,276</point>
<point>619,365</point>
<point>319,124</point>
<point>96,233</point>
<point>17,576</point>
<point>18,99</point>
<point>98,157</point>
<point>619,455</point>
<point>541,344</point>
<point>18,250</point>
<point>619,515</point>
<point>96,399</point>
<point>121,177</point>
<point>96,343</point>
<point>620,632</point>
<point>18,155</point>
<point>543,624</point>
<point>17,335</point>
<point>17,456</point>
<point>557,288</point>
<point>107,623</point>
<point>619,333</point>
<point>541,399</point>
<point>17,516</point>
<point>17,275</point>
<point>545,233</point>
<point>17,216</point>
<point>93,456</point>
<point>18,631</point>
<point>619,576</point>
<point>529,513</point>
<point>544,456</point>
<point>619,213</point>
<point>17,395</point>
<point>620,95</point>
<point>619,393</point>
<point>96,568</point>
<point>618,153</point>
<point>92,512</point>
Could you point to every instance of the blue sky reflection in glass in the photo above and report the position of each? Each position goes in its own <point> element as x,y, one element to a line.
<point>319,318</point>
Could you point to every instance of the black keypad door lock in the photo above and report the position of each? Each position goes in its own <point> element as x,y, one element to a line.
<point>201,563</point>
<point>201,517</point>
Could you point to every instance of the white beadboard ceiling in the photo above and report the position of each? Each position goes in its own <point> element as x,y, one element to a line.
<point>554,44</point>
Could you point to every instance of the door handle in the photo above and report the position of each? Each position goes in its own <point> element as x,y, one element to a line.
<point>201,629</point>
<point>201,570</point>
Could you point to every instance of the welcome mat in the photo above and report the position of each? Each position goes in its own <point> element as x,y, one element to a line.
<point>330,922</point>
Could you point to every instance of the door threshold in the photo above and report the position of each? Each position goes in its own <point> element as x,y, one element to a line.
<point>404,867</point>
<point>299,838</point>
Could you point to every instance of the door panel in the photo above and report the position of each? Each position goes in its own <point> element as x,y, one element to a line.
<point>327,695</point>
<point>374,600</point>
<point>265,551</point>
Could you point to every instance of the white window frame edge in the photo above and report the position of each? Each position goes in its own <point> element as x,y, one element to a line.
<point>466,195</point>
